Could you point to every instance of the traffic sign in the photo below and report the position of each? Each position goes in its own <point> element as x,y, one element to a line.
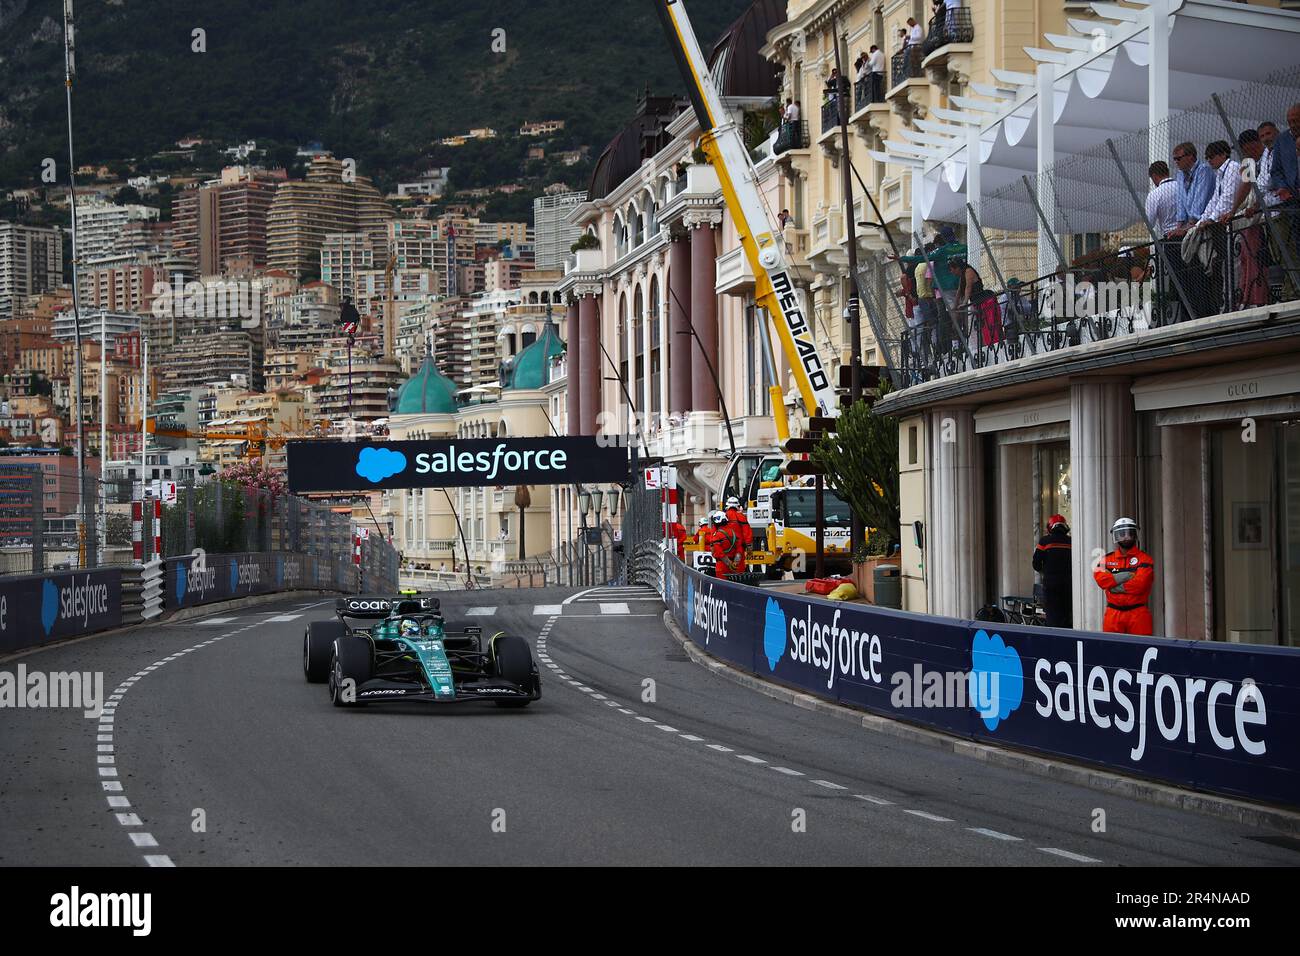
<point>800,446</point>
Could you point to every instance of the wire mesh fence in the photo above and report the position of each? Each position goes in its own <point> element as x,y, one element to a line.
<point>41,528</point>
<point>1074,256</point>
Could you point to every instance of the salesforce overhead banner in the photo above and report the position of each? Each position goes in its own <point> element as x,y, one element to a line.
<point>1220,717</point>
<point>452,463</point>
<point>39,608</point>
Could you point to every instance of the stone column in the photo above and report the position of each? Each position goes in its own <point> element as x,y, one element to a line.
<point>589,329</point>
<point>680,346</point>
<point>704,316</point>
<point>1180,566</point>
<point>955,529</point>
<point>573,362</point>
<point>1103,471</point>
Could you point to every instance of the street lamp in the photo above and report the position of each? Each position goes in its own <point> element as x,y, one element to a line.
<point>598,501</point>
<point>584,503</point>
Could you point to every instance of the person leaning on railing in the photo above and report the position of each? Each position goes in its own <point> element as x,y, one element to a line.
<point>1252,265</point>
<point>1284,177</point>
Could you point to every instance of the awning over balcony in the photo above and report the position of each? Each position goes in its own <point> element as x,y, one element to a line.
<point>1100,85</point>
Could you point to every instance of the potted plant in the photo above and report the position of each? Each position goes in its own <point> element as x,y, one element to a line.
<point>861,463</point>
<point>585,241</point>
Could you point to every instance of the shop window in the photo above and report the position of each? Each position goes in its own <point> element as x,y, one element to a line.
<point>1243,536</point>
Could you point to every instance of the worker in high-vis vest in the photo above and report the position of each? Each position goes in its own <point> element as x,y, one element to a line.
<point>738,520</point>
<point>1126,575</point>
<point>727,548</point>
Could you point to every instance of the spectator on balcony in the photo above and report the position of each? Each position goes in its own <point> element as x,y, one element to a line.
<point>876,63</point>
<point>1195,182</point>
<point>861,68</point>
<point>1284,178</point>
<point>1284,172</point>
<point>915,35</point>
<point>1017,309</point>
<point>1162,200</point>
<point>926,310</point>
<point>1227,179</point>
<point>1252,264</point>
<point>950,17</point>
<point>1264,168</point>
<point>784,218</point>
<point>902,39</point>
<point>983,317</point>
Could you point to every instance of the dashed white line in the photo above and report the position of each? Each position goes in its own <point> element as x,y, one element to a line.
<point>828,785</point>
<point>878,801</point>
<point>143,839</point>
<point>666,729</point>
<point>995,834</point>
<point>787,771</point>
<point>748,759</point>
<point>1066,854</point>
<point>158,860</point>
<point>692,738</point>
<point>932,817</point>
<point>720,749</point>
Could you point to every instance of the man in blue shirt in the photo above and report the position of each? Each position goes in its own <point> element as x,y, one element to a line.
<point>1284,178</point>
<point>1195,179</point>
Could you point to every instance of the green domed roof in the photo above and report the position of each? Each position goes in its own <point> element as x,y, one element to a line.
<point>529,367</point>
<point>428,391</point>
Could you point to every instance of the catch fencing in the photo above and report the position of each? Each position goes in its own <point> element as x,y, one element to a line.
<point>1070,257</point>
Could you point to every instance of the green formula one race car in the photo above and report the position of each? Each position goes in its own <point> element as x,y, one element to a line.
<point>406,653</point>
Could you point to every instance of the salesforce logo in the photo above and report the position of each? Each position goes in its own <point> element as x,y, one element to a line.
<point>49,606</point>
<point>376,464</point>
<point>997,681</point>
<point>773,633</point>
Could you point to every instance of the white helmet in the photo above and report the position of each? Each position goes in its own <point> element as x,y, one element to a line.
<point>718,517</point>
<point>733,502</point>
<point>1121,525</point>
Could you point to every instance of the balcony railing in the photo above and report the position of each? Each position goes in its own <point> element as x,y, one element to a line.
<point>905,65</point>
<point>870,89</point>
<point>792,136</point>
<point>1098,297</point>
<point>949,26</point>
<point>830,108</point>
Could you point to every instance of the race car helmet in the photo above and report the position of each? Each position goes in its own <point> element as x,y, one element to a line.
<point>733,502</point>
<point>718,517</point>
<point>1056,521</point>
<point>410,627</point>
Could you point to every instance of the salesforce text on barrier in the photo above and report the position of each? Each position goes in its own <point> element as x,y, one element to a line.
<point>1174,707</point>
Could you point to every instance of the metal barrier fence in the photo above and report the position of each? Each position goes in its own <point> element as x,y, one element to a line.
<point>40,531</point>
<point>1072,257</point>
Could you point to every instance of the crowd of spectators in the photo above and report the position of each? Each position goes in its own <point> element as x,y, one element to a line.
<point>1227,236</point>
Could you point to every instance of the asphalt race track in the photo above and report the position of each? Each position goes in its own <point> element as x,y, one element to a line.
<point>219,753</point>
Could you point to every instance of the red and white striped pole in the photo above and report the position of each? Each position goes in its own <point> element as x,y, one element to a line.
<point>137,530</point>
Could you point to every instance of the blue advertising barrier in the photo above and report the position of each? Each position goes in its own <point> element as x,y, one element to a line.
<point>1208,716</point>
<point>36,608</point>
<point>222,577</point>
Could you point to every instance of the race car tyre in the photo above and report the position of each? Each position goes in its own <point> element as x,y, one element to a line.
<point>318,649</point>
<point>351,663</point>
<point>512,661</point>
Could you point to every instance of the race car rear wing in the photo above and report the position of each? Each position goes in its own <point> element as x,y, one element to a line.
<point>381,606</point>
